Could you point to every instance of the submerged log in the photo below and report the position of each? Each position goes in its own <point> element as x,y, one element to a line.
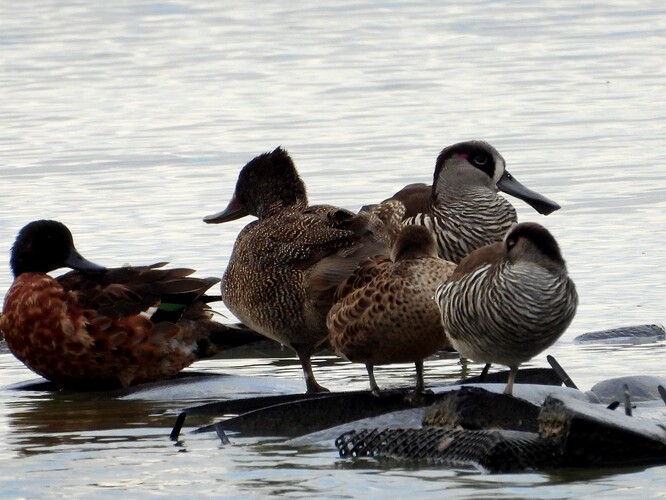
<point>625,334</point>
<point>311,413</point>
<point>538,376</point>
<point>641,388</point>
<point>571,433</point>
<point>299,414</point>
<point>593,435</point>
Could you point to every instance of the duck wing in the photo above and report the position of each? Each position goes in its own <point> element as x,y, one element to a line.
<point>129,290</point>
<point>487,255</point>
<point>415,197</point>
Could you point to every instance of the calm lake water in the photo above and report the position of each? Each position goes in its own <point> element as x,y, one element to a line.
<point>129,121</point>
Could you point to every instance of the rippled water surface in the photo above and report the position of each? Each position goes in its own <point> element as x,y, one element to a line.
<point>129,121</point>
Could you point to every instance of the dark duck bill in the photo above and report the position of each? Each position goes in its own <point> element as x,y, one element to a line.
<point>509,185</point>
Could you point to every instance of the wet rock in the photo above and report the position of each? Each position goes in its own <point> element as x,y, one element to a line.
<point>641,388</point>
<point>626,334</point>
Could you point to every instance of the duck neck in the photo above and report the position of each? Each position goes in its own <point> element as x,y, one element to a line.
<point>455,197</point>
<point>21,263</point>
<point>279,205</point>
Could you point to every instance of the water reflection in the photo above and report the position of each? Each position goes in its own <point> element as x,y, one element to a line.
<point>50,423</point>
<point>129,122</point>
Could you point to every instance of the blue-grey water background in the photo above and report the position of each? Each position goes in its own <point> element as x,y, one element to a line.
<point>129,121</point>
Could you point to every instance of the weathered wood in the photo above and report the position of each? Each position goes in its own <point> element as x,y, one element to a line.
<point>307,415</point>
<point>593,435</point>
<point>298,414</point>
<point>244,405</point>
<point>538,376</point>
<point>474,408</point>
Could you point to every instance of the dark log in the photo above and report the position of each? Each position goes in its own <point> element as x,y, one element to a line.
<point>318,412</point>
<point>299,414</point>
<point>628,334</point>
<point>474,408</point>
<point>593,435</point>
<point>539,376</point>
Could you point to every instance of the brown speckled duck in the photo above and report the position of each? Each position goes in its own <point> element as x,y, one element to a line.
<point>286,265</point>
<point>385,312</point>
<point>97,328</point>
<point>507,302</point>
<point>462,207</point>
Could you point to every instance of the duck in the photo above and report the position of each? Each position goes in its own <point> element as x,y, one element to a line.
<point>286,265</point>
<point>385,313</point>
<point>98,328</point>
<point>509,301</point>
<point>462,207</point>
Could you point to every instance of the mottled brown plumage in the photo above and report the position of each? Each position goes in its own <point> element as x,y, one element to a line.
<point>98,328</point>
<point>462,207</point>
<point>385,313</point>
<point>509,301</point>
<point>286,266</point>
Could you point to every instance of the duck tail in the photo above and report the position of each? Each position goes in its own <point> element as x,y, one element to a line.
<point>222,338</point>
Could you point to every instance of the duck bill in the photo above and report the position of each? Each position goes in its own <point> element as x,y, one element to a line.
<point>509,185</point>
<point>235,210</point>
<point>76,261</point>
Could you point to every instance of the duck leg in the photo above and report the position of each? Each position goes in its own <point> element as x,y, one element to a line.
<point>513,371</point>
<point>374,388</point>
<point>312,386</point>
<point>420,384</point>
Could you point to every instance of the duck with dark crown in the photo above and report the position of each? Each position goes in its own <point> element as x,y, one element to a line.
<point>509,301</point>
<point>385,312</point>
<point>286,265</point>
<point>462,207</point>
<point>95,328</point>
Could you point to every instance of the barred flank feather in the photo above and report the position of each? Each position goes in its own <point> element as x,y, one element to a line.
<point>470,223</point>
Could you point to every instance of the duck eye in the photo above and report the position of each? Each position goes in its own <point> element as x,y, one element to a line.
<point>510,243</point>
<point>480,160</point>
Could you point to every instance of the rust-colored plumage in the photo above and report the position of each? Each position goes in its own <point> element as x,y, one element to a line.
<point>385,312</point>
<point>97,328</point>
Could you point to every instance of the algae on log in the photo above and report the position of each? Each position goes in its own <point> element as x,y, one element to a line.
<point>473,408</point>
<point>593,435</point>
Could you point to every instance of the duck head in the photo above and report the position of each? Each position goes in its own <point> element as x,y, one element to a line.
<point>413,242</point>
<point>472,164</point>
<point>266,184</point>
<point>532,242</point>
<point>45,245</point>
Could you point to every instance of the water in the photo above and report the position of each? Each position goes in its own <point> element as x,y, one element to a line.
<point>129,122</point>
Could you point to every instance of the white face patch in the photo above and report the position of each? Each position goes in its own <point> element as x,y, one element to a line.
<point>500,167</point>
